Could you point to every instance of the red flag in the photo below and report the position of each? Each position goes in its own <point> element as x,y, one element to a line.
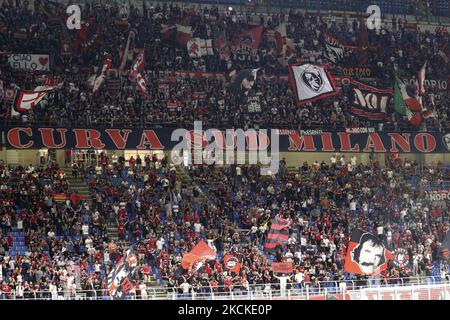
<point>250,39</point>
<point>137,74</point>
<point>200,252</point>
<point>282,267</point>
<point>232,263</point>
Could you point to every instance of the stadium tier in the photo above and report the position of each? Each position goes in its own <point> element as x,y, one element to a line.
<point>350,109</point>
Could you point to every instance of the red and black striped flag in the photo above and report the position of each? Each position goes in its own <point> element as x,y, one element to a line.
<point>278,234</point>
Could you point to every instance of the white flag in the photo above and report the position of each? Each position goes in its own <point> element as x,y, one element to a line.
<point>199,47</point>
<point>311,82</point>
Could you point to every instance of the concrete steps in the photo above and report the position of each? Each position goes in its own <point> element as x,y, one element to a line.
<point>78,184</point>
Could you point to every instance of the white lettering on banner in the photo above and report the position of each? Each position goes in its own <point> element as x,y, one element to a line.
<point>439,84</point>
<point>438,195</point>
<point>33,62</point>
<point>359,130</point>
<point>371,100</point>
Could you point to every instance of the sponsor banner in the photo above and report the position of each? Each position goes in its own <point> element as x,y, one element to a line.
<point>160,139</point>
<point>439,84</point>
<point>438,195</point>
<point>357,72</point>
<point>33,62</point>
<point>359,130</point>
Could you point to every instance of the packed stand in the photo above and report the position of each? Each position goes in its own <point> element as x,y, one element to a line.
<point>76,53</point>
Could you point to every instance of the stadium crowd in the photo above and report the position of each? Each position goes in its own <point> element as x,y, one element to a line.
<point>69,249</point>
<point>396,49</point>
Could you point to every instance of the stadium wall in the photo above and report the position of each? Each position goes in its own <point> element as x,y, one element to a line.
<point>293,159</point>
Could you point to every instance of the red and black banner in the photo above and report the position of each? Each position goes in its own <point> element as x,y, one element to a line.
<point>232,263</point>
<point>24,137</point>
<point>120,280</point>
<point>367,254</point>
<point>369,102</point>
<point>278,234</point>
<point>137,74</point>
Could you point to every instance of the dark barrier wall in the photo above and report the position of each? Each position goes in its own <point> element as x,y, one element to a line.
<point>160,139</point>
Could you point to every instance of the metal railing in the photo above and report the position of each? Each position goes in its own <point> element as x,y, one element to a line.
<point>373,288</point>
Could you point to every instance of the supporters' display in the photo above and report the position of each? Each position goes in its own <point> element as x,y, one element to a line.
<point>278,235</point>
<point>97,204</point>
<point>351,140</point>
<point>120,281</point>
<point>311,82</point>
<point>366,254</point>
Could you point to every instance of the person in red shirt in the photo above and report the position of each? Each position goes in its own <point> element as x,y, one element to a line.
<point>132,162</point>
<point>10,240</point>
<point>121,231</point>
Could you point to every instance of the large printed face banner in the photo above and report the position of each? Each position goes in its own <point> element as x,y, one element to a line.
<point>366,254</point>
<point>161,139</point>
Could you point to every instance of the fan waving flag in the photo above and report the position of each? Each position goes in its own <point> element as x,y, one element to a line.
<point>421,79</point>
<point>26,100</point>
<point>243,82</point>
<point>278,234</point>
<point>231,263</point>
<point>406,104</point>
<point>198,255</point>
<point>335,51</point>
<point>120,280</point>
<point>100,76</point>
<point>367,254</point>
<point>137,74</point>
<point>311,82</point>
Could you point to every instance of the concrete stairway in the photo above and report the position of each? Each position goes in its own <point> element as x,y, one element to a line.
<point>18,248</point>
<point>78,184</point>
<point>183,176</point>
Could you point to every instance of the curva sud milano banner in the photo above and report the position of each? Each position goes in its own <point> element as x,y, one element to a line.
<point>161,139</point>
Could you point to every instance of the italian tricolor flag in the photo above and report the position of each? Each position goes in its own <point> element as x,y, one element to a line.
<point>407,104</point>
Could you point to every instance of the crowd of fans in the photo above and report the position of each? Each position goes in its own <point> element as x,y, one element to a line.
<point>68,239</point>
<point>395,49</point>
<point>69,248</point>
